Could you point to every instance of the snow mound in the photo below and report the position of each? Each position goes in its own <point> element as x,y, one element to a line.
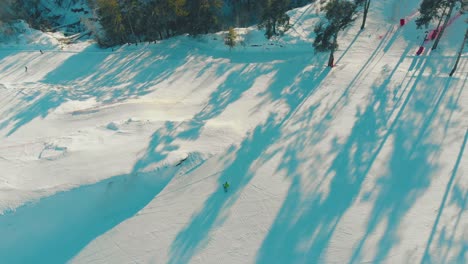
<point>112,126</point>
<point>52,152</point>
<point>18,35</point>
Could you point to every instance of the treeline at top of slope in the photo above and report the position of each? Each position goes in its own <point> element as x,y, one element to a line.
<point>114,22</point>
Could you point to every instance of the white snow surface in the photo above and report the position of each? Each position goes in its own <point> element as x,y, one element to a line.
<point>119,155</point>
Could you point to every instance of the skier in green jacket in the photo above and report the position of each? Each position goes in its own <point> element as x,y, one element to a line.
<point>226,186</point>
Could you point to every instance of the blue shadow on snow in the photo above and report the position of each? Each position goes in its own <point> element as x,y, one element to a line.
<point>56,228</point>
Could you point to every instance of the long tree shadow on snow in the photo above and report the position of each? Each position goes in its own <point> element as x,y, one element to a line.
<point>228,92</point>
<point>70,220</point>
<point>299,219</point>
<point>304,227</point>
<point>448,241</point>
<point>119,75</point>
<point>56,228</point>
<point>288,73</point>
<point>105,76</point>
<point>96,208</point>
<point>239,173</point>
<point>242,169</point>
<point>42,103</point>
<point>411,165</point>
<point>11,66</point>
<point>443,251</point>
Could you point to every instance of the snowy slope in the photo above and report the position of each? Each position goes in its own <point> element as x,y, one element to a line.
<point>118,155</point>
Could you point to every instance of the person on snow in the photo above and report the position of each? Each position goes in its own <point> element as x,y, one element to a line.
<point>25,68</point>
<point>226,186</point>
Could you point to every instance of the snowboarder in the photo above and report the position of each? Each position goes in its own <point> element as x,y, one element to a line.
<point>25,68</point>
<point>41,51</point>
<point>226,186</point>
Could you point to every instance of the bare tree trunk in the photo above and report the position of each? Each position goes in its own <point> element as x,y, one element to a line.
<point>274,28</point>
<point>447,18</point>
<point>130,23</point>
<point>331,59</point>
<point>364,17</point>
<point>436,32</point>
<point>459,53</point>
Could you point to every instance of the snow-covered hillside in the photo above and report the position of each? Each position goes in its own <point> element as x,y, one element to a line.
<point>66,20</point>
<point>119,155</point>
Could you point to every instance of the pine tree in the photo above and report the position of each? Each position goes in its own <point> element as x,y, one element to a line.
<point>430,10</point>
<point>176,13</point>
<point>243,12</point>
<point>111,21</point>
<point>274,19</point>
<point>447,17</point>
<point>339,15</point>
<point>164,17</point>
<point>202,16</point>
<point>131,13</point>
<point>6,10</point>
<point>230,39</point>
